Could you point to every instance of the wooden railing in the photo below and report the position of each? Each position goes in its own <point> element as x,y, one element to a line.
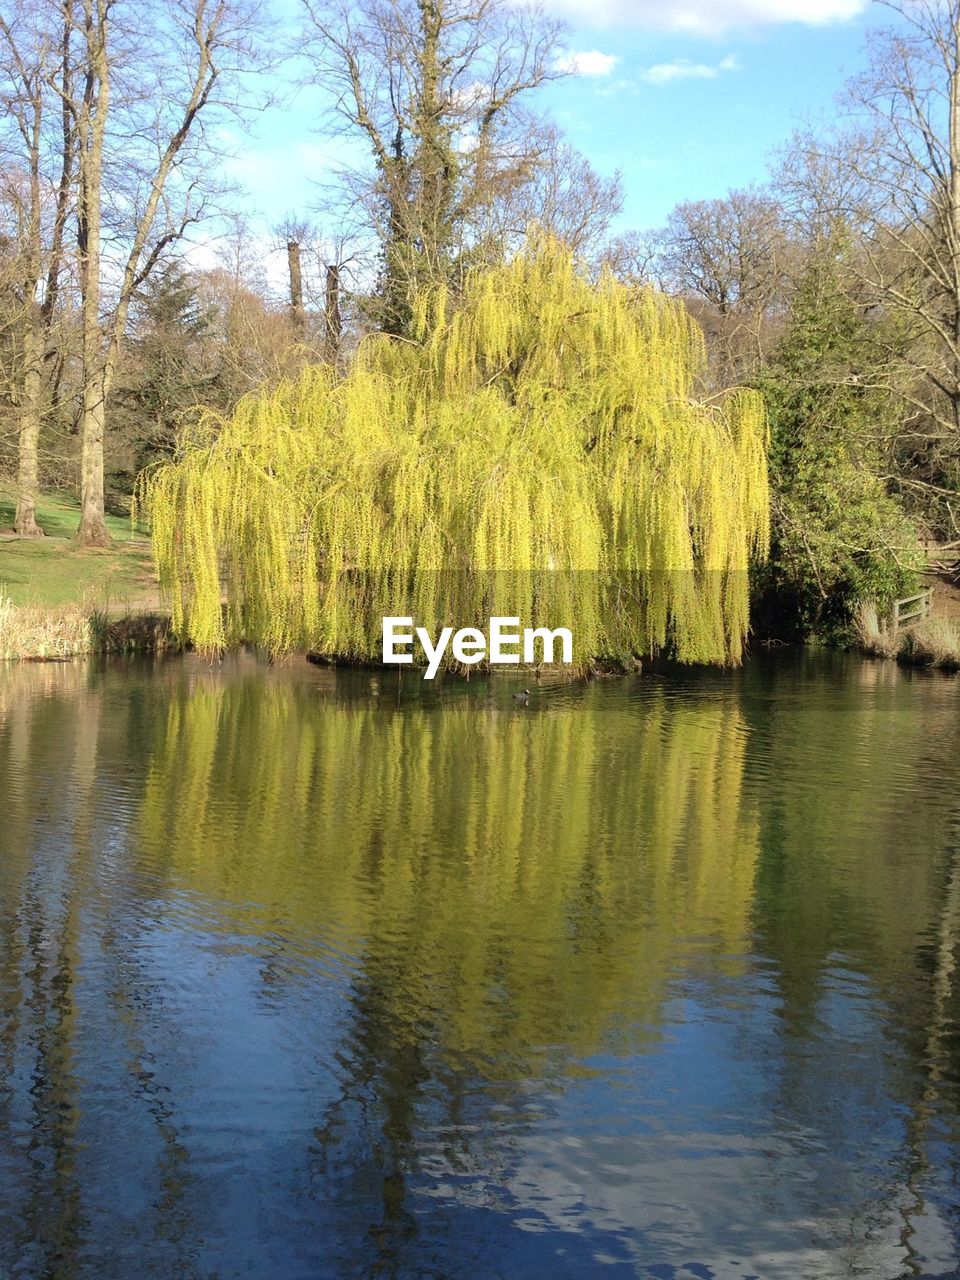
<point>912,609</point>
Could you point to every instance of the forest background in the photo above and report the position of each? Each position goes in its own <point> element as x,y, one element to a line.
<point>135,291</point>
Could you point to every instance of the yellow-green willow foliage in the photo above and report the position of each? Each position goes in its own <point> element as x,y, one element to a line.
<point>536,451</point>
<point>433,843</point>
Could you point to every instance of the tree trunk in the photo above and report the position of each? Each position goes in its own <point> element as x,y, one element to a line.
<point>93,526</point>
<point>296,289</point>
<point>953,229</point>
<point>28,483</point>
<point>91,132</point>
<point>332,313</point>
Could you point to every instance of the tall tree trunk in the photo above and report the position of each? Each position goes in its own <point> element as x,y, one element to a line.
<point>953,197</point>
<point>93,525</point>
<point>25,521</point>
<point>28,481</point>
<point>332,312</point>
<point>296,289</point>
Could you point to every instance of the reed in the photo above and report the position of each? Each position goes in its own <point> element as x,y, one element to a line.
<point>874,638</point>
<point>36,632</point>
<point>933,643</point>
<point>54,633</point>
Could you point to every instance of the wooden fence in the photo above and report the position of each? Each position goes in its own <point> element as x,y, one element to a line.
<point>912,609</point>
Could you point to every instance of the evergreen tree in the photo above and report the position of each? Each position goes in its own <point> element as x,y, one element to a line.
<point>169,368</point>
<point>837,534</point>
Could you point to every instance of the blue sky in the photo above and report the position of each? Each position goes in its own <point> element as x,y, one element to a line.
<point>688,98</point>
<point>688,116</point>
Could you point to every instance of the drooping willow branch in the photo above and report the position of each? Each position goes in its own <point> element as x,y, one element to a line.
<point>534,452</point>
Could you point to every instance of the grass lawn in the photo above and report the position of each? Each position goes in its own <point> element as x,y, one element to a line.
<point>53,571</point>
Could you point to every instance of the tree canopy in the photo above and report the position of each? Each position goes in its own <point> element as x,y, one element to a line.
<point>535,450</point>
<point>838,535</point>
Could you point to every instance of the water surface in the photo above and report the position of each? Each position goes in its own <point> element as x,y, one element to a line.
<point>311,974</point>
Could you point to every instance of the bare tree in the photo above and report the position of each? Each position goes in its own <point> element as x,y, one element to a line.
<point>819,188</point>
<point>250,337</point>
<point>435,89</point>
<point>634,256</point>
<point>147,78</point>
<point>729,257</point>
<point>559,192</point>
<point>903,155</point>
<point>35,55</point>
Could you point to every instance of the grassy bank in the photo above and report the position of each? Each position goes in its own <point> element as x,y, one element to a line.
<point>59,602</point>
<point>53,571</point>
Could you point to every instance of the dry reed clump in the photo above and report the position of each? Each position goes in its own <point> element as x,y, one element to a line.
<point>45,634</point>
<point>39,633</point>
<point>934,643</point>
<point>875,639</point>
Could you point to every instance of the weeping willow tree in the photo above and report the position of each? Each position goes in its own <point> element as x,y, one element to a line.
<point>535,451</point>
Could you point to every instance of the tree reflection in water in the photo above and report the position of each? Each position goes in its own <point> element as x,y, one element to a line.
<point>303,977</point>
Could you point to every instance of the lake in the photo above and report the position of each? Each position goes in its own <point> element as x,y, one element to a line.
<point>309,973</point>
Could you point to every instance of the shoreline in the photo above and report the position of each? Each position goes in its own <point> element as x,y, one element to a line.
<point>61,633</point>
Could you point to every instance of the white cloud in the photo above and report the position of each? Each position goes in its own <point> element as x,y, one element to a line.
<point>471,97</point>
<point>684,69</point>
<point>706,17</point>
<point>588,62</point>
